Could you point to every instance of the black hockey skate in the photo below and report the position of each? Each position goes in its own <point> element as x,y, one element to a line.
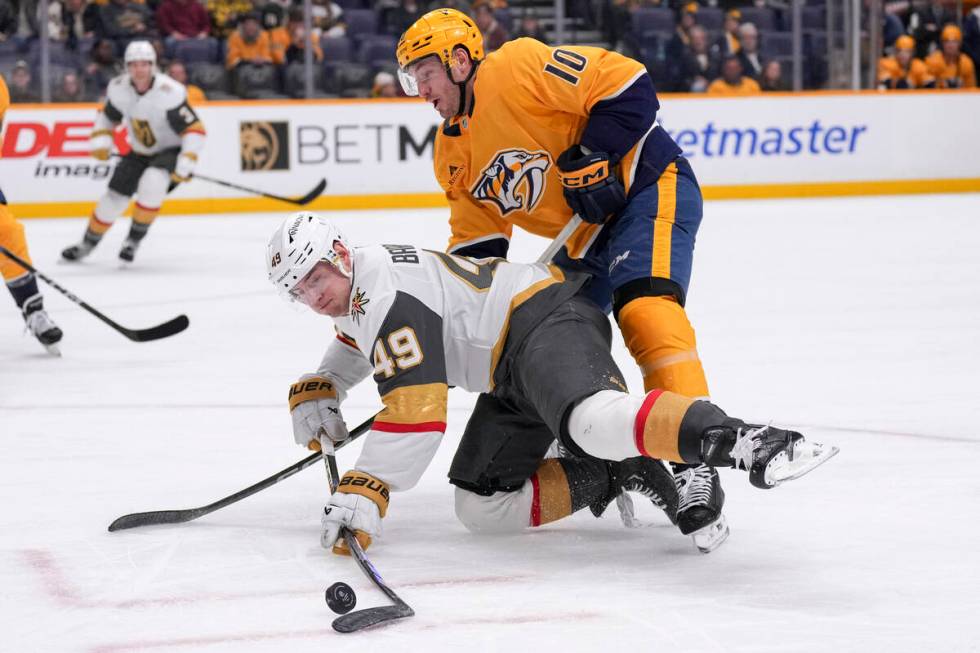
<point>77,252</point>
<point>770,455</point>
<point>40,325</point>
<point>128,251</point>
<point>645,476</point>
<point>700,500</point>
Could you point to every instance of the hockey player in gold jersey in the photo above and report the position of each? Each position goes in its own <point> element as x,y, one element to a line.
<point>950,67</point>
<point>904,70</point>
<point>534,134</point>
<point>22,283</point>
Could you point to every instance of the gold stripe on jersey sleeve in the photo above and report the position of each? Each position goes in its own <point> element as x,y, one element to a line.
<point>415,404</point>
<point>663,224</point>
<point>557,276</point>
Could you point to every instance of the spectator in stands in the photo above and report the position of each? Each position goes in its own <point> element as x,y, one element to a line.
<point>249,44</point>
<point>70,89</point>
<point>728,42</point>
<point>179,20</point>
<point>384,85</point>
<point>225,16</point>
<point>530,27</point>
<point>924,22</point>
<point>273,14</point>
<point>102,68</point>
<point>494,34</point>
<point>9,20</point>
<point>178,72</point>
<point>950,67</point>
<point>616,24</point>
<point>971,36</point>
<point>328,18</point>
<point>772,77</point>
<point>80,20</point>
<point>697,66</point>
<point>399,18</point>
<point>20,86</point>
<point>748,37</point>
<point>904,70</point>
<point>732,81</point>
<point>289,43</point>
<point>124,20</point>
<point>680,41</point>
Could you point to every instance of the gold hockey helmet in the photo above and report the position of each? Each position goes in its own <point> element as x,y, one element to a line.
<point>438,32</point>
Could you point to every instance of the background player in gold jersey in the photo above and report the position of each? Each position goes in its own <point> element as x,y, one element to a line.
<point>534,134</point>
<point>22,283</point>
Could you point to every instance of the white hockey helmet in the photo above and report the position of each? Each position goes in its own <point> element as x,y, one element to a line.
<point>300,242</point>
<point>140,51</point>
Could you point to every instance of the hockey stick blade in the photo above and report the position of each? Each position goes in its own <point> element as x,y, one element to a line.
<point>158,517</point>
<point>300,201</point>
<point>165,330</point>
<point>157,332</point>
<point>355,621</point>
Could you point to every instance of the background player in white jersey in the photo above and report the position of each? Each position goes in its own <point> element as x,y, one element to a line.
<point>422,321</point>
<point>166,137</point>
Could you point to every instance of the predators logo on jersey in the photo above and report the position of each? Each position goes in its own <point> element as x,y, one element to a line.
<point>515,179</point>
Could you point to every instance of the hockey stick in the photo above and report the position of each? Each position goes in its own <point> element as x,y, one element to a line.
<point>299,201</point>
<point>164,330</point>
<point>560,240</point>
<point>137,519</point>
<point>361,619</point>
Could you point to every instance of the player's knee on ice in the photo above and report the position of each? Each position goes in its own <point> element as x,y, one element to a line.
<point>501,512</point>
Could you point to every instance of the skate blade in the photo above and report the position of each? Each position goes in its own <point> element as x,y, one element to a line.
<point>627,513</point>
<point>807,456</point>
<point>53,349</point>
<point>712,536</point>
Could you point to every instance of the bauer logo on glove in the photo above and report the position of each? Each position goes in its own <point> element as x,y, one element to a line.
<point>590,187</point>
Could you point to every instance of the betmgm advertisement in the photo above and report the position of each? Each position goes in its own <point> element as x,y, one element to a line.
<point>378,154</point>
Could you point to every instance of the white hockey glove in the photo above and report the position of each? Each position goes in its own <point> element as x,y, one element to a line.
<point>314,402</point>
<point>359,503</point>
<point>184,169</point>
<point>100,144</point>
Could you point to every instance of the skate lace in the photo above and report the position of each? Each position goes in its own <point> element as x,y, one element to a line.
<point>635,484</point>
<point>37,323</point>
<point>695,487</point>
<point>746,443</point>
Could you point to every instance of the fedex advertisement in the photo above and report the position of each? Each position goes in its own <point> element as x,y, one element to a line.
<point>379,153</point>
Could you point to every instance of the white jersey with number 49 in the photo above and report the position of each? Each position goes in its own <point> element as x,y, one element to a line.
<point>157,120</point>
<point>422,321</point>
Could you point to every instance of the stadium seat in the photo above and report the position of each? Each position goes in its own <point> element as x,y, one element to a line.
<point>814,18</point>
<point>776,44</point>
<point>361,22</point>
<point>710,18</point>
<point>377,49</point>
<point>336,48</point>
<point>763,18</point>
<point>257,82</point>
<point>294,81</point>
<point>195,50</point>
<point>651,19</point>
<point>212,78</point>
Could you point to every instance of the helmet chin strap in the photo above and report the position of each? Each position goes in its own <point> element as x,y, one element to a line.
<point>461,86</point>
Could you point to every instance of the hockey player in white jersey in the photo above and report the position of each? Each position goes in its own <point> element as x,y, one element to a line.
<point>421,321</point>
<point>166,137</point>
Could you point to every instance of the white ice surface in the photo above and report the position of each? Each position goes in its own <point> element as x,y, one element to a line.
<point>855,320</point>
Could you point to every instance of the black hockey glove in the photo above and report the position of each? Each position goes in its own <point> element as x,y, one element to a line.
<point>590,187</point>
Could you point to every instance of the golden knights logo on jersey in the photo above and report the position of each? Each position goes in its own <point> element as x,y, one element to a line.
<point>514,180</point>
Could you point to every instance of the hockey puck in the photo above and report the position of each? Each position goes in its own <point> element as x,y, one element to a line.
<point>341,598</point>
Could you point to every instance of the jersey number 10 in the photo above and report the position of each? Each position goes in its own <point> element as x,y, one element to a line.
<point>569,61</point>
